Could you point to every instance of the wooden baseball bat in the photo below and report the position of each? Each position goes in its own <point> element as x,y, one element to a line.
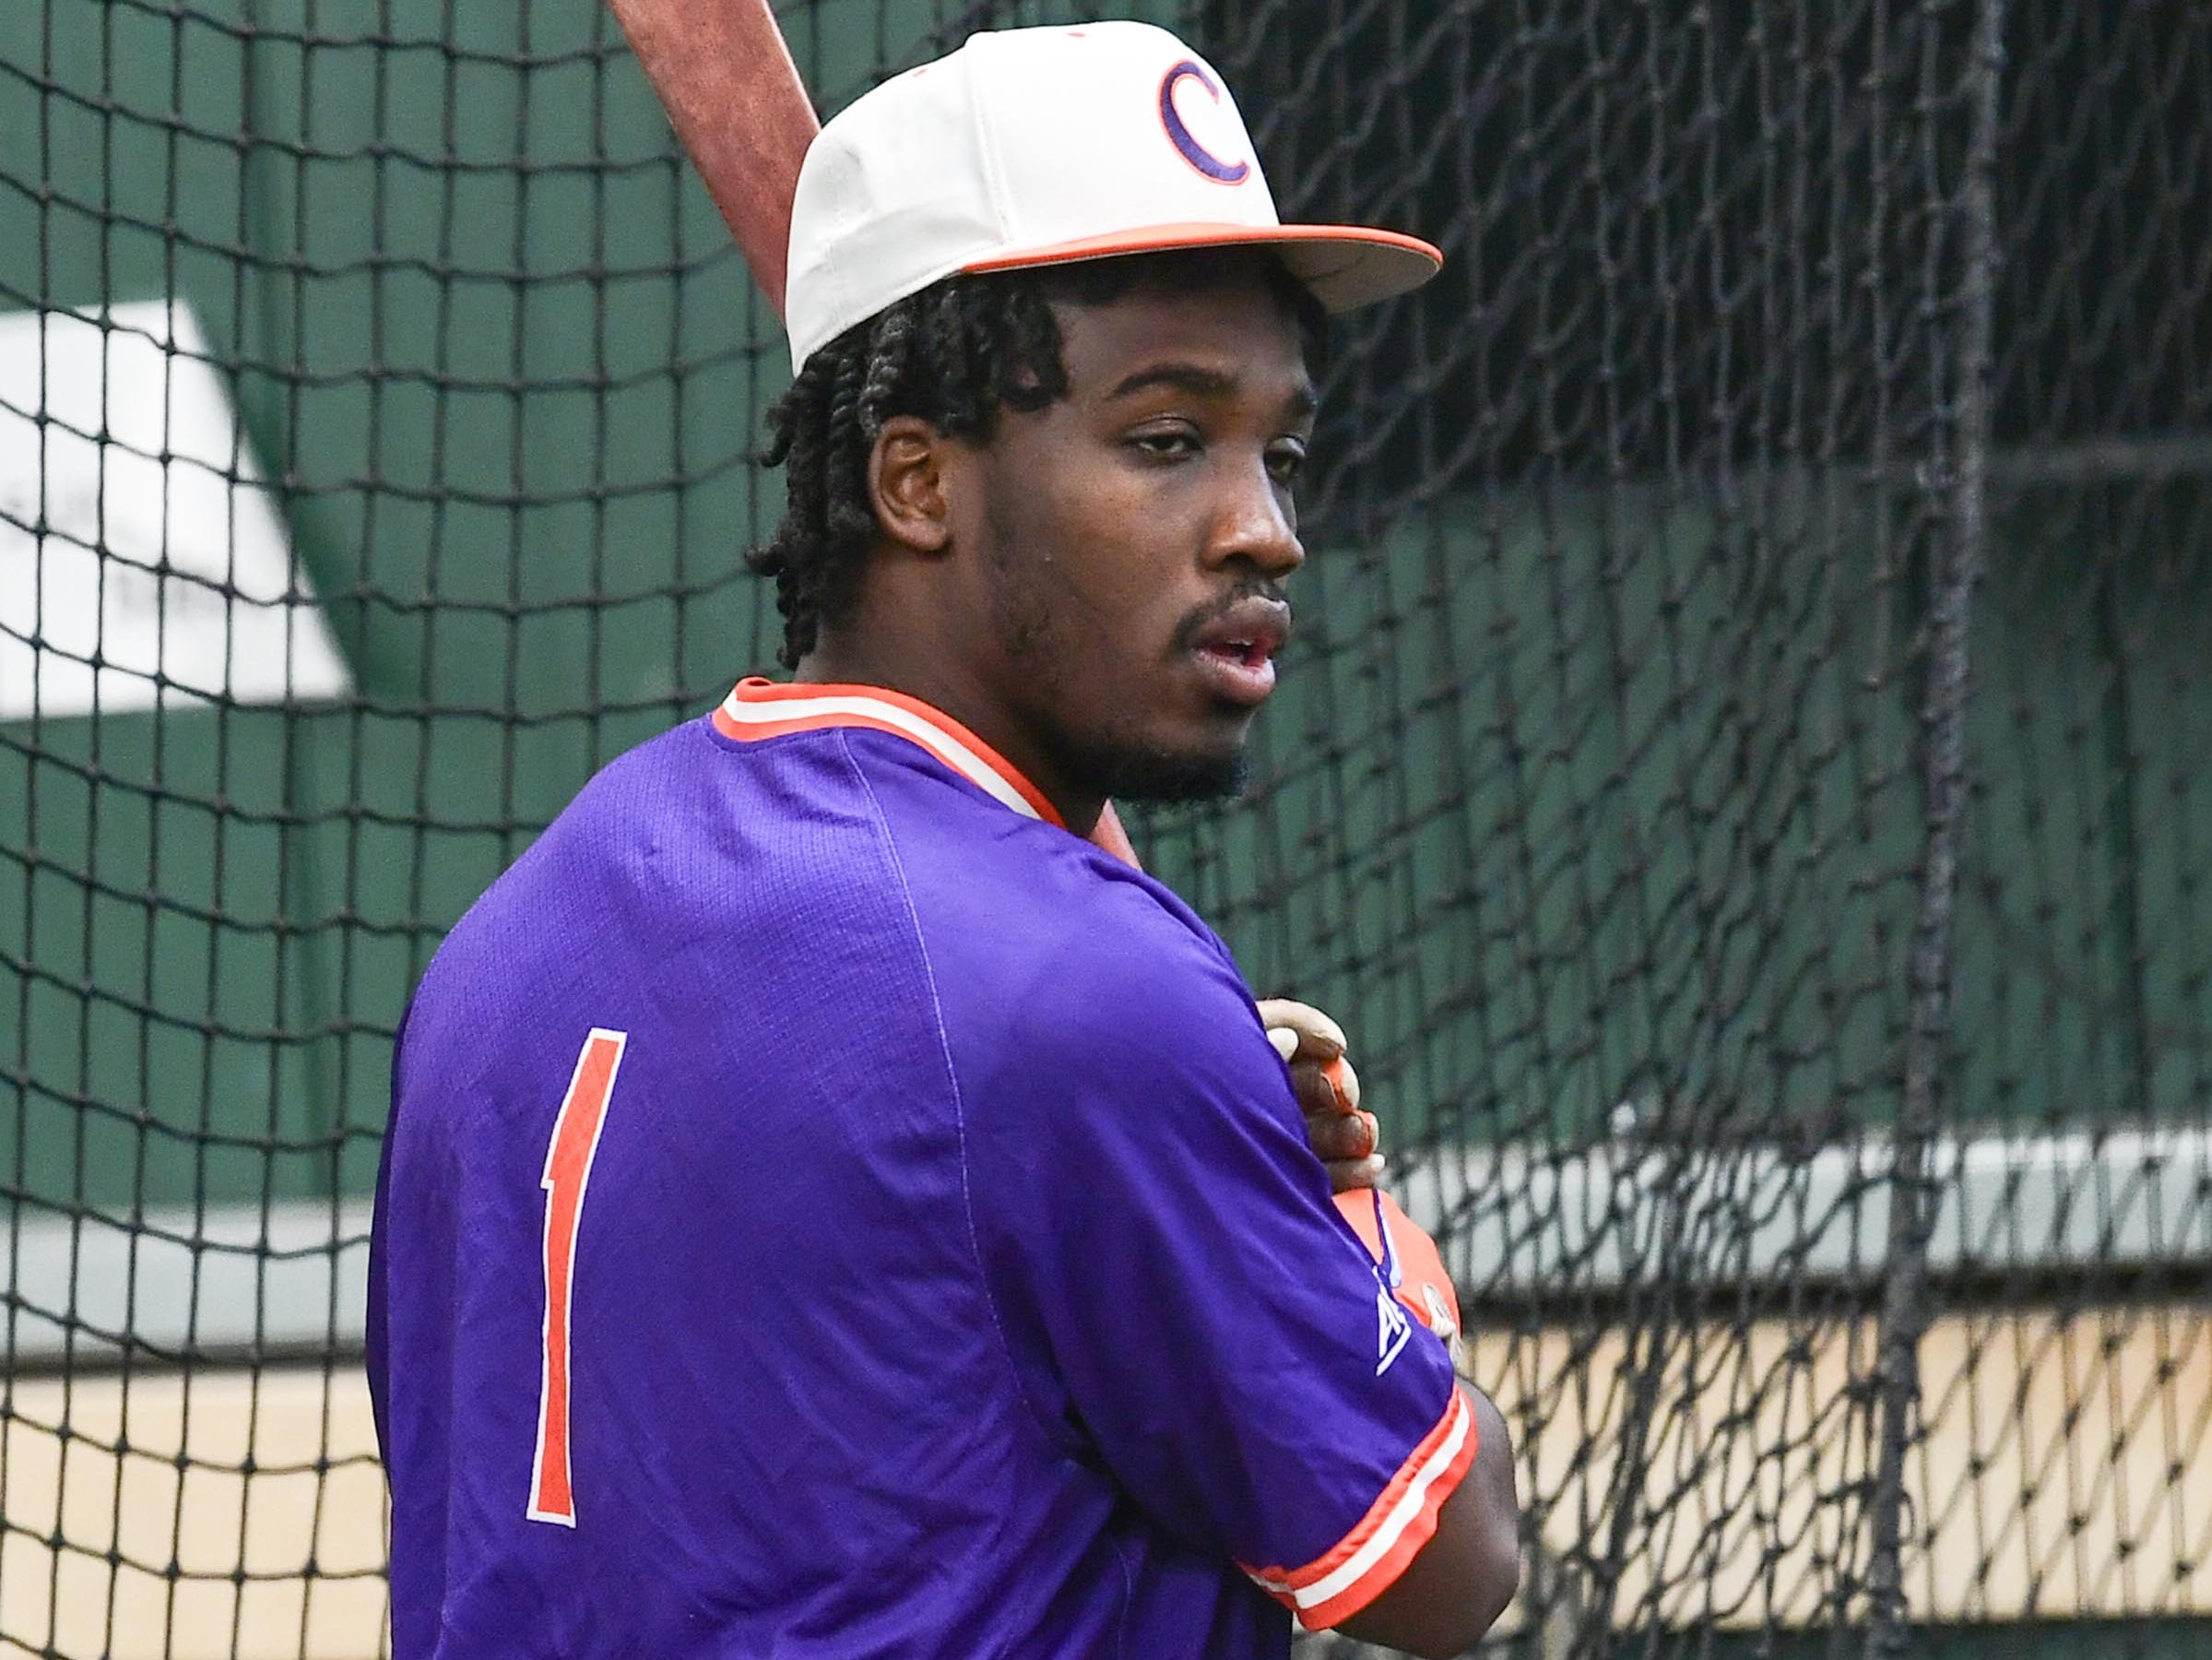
<point>732,93</point>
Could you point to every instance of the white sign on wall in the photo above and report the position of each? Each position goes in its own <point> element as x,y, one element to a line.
<point>142,560</point>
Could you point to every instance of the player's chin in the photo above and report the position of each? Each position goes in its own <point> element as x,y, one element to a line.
<point>1199,760</point>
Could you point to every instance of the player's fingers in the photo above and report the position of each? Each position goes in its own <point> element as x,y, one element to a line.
<point>1346,1174</point>
<point>1335,1139</point>
<point>1333,1088</point>
<point>1316,1094</point>
<point>1336,1136</point>
<point>1344,1081</point>
<point>1318,1035</point>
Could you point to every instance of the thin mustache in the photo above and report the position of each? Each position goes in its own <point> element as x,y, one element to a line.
<point>1187,630</point>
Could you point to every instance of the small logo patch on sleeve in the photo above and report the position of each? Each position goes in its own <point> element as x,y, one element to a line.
<point>1392,1329</point>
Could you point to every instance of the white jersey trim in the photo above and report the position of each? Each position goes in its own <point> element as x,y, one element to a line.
<point>846,709</point>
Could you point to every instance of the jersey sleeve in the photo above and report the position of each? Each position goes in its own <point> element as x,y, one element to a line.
<point>1201,1321</point>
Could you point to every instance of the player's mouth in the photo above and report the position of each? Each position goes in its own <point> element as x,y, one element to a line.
<point>1236,651</point>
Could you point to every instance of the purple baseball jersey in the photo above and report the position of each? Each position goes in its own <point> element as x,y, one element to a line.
<point>830,1209</point>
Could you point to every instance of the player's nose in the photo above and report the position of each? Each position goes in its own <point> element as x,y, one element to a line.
<point>1253,521</point>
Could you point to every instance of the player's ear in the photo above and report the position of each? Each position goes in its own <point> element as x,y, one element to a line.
<point>907,485</point>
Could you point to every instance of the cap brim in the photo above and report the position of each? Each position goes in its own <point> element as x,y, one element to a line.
<point>1344,266</point>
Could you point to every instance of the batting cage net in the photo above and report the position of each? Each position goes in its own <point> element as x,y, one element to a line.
<point>1736,777</point>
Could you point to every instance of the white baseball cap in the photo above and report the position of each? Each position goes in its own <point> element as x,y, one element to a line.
<point>1033,147</point>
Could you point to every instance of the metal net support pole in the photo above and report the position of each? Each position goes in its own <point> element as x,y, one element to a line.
<point>1959,483</point>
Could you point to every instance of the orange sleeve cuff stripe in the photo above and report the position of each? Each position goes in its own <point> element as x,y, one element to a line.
<point>1367,1560</point>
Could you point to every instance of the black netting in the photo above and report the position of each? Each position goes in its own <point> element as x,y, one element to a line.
<point>1736,777</point>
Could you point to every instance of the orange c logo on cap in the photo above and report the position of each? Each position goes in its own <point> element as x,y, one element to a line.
<point>1192,150</point>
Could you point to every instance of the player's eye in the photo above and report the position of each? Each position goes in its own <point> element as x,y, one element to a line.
<point>1286,461</point>
<point>1166,444</point>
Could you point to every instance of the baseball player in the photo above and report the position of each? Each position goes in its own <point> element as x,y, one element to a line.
<point>1044,1337</point>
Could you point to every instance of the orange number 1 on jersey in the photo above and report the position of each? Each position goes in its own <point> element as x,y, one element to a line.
<point>567,1169</point>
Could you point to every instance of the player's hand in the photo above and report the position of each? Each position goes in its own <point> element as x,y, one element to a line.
<point>1344,1138</point>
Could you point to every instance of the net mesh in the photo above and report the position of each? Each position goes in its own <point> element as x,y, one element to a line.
<point>1735,776</point>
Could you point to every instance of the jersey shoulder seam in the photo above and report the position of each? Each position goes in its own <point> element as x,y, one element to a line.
<point>944,1051</point>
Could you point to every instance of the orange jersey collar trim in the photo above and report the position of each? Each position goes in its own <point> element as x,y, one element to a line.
<point>758,709</point>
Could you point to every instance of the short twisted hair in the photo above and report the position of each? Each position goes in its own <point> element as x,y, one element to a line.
<point>954,354</point>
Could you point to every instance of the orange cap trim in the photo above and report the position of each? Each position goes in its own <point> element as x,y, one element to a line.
<point>1156,238</point>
